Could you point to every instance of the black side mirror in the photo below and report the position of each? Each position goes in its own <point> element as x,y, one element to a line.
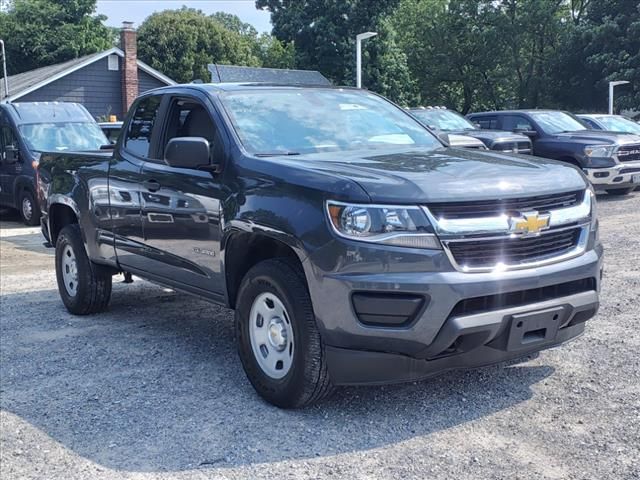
<point>188,152</point>
<point>445,138</point>
<point>11,154</point>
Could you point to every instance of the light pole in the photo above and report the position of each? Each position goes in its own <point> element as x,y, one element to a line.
<point>4,71</point>
<point>611,85</point>
<point>359,39</point>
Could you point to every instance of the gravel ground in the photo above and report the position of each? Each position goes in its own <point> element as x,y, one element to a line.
<point>153,389</point>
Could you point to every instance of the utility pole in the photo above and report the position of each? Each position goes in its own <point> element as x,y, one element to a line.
<point>611,85</point>
<point>359,38</point>
<point>4,72</point>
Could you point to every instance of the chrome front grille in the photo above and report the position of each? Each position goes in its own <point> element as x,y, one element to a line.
<point>490,208</point>
<point>513,147</point>
<point>629,153</point>
<point>509,234</point>
<point>513,251</point>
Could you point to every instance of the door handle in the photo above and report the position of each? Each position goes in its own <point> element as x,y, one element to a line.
<point>151,185</point>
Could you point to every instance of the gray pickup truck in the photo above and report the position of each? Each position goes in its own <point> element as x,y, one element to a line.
<point>353,245</point>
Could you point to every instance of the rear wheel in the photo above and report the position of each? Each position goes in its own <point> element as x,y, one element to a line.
<point>84,286</point>
<point>278,339</point>
<point>620,191</point>
<point>29,211</point>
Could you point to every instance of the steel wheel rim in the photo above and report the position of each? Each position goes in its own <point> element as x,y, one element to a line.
<point>69,271</point>
<point>271,335</point>
<point>27,208</point>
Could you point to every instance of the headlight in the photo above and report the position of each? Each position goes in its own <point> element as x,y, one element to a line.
<point>594,208</point>
<point>599,151</point>
<point>387,224</point>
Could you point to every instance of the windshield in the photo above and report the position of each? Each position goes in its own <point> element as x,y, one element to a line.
<point>557,122</point>
<point>57,137</point>
<point>618,124</point>
<point>443,120</point>
<point>292,121</point>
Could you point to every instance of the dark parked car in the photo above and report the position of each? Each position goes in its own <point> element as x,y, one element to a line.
<point>611,123</point>
<point>353,245</point>
<point>447,122</point>
<point>610,160</point>
<point>28,129</point>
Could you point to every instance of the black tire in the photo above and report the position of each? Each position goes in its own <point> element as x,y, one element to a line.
<point>28,208</point>
<point>93,286</point>
<point>620,191</point>
<point>307,381</point>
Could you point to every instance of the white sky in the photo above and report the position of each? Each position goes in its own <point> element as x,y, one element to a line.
<point>136,11</point>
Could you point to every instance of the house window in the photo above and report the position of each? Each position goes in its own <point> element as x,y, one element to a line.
<point>112,61</point>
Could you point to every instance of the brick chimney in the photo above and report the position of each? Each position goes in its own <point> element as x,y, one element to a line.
<point>130,65</point>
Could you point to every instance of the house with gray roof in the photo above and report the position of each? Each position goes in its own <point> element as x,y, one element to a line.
<point>106,83</point>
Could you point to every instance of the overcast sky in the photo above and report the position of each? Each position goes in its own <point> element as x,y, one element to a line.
<point>136,11</point>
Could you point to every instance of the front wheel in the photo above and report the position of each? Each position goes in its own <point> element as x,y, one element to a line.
<point>28,207</point>
<point>84,286</point>
<point>278,339</point>
<point>620,191</point>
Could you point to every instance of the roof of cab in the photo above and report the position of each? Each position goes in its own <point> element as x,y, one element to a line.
<point>231,87</point>
<point>507,112</point>
<point>47,112</point>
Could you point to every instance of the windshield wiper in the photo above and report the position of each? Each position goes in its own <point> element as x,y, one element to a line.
<point>275,154</point>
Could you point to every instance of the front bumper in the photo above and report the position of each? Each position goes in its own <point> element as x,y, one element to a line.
<point>483,339</point>
<point>618,176</point>
<point>442,336</point>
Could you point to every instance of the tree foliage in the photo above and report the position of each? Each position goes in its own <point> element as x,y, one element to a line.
<point>43,32</point>
<point>465,54</point>
<point>607,43</point>
<point>324,31</point>
<point>181,43</point>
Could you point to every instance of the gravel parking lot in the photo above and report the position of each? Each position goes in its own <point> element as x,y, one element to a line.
<point>153,389</point>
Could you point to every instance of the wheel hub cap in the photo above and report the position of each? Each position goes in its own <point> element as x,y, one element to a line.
<point>277,334</point>
<point>69,271</point>
<point>27,208</point>
<point>271,335</point>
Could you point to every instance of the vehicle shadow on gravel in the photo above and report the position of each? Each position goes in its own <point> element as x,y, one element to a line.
<point>155,384</point>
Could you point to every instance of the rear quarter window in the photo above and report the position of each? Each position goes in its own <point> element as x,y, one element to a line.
<point>138,139</point>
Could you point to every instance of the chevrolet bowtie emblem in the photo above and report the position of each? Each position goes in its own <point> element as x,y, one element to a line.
<point>529,223</point>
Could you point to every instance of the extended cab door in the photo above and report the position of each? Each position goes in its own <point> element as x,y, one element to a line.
<point>181,206</point>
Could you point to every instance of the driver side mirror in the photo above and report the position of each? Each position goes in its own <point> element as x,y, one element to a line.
<point>11,154</point>
<point>188,152</point>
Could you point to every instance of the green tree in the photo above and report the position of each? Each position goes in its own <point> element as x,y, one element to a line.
<point>233,23</point>
<point>603,46</point>
<point>38,33</point>
<point>324,32</point>
<point>484,54</point>
<point>275,54</point>
<point>181,43</point>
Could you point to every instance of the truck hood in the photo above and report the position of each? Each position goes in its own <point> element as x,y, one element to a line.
<point>593,137</point>
<point>462,141</point>
<point>411,176</point>
<point>492,136</point>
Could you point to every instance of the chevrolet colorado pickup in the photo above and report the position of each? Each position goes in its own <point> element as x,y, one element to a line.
<point>610,160</point>
<point>26,130</point>
<point>353,245</point>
